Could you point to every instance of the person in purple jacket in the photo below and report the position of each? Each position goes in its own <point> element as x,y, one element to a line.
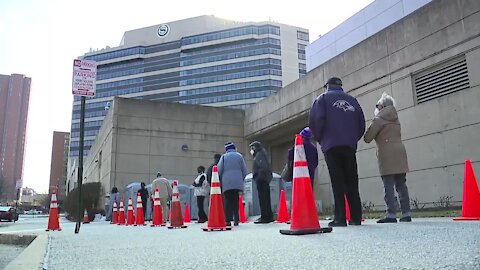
<point>337,122</point>
<point>311,153</point>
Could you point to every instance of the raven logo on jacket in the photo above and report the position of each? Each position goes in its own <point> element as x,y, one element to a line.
<point>342,104</point>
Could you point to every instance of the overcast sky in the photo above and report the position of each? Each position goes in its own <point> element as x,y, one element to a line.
<point>41,38</point>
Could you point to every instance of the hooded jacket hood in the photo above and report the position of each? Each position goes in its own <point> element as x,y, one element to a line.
<point>256,145</point>
<point>389,114</point>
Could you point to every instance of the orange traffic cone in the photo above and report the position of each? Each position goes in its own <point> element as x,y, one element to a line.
<point>216,215</point>
<point>176,219</point>
<point>241,209</point>
<point>282,216</point>
<point>114,214</point>
<point>471,195</point>
<point>121,214</point>
<point>347,209</point>
<point>304,212</point>
<point>186,218</point>
<point>130,215</point>
<point>53,217</point>
<point>140,219</point>
<point>157,210</point>
<point>86,219</point>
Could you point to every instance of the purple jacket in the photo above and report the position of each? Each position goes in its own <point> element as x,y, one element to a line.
<point>336,119</point>
<point>311,155</point>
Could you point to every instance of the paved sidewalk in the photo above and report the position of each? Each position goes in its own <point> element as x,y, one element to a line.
<point>434,243</point>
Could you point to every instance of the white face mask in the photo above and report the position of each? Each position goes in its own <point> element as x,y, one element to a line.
<point>251,152</point>
<point>376,111</point>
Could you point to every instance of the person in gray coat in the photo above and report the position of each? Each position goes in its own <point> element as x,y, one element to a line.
<point>392,158</point>
<point>232,171</point>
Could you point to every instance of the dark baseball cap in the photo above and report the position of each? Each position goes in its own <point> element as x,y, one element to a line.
<point>334,81</point>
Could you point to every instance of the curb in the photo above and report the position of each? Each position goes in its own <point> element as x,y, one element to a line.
<point>33,256</point>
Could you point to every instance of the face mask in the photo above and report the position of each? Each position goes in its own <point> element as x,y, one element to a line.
<point>376,111</point>
<point>251,152</point>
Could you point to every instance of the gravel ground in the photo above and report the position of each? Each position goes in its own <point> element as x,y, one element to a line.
<point>434,243</point>
<point>8,253</point>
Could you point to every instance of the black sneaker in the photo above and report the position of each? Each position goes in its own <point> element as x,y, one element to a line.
<point>387,220</point>
<point>406,219</point>
<point>235,223</point>
<point>263,221</point>
<point>354,223</point>
<point>336,223</point>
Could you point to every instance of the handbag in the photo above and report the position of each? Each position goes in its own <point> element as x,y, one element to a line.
<point>287,172</point>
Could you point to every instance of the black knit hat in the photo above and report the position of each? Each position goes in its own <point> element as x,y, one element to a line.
<point>333,81</point>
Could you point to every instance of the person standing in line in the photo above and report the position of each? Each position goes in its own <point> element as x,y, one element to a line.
<point>114,197</point>
<point>392,158</point>
<point>144,196</point>
<point>216,159</point>
<point>262,175</point>
<point>311,153</point>
<point>165,191</point>
<point>337,122</point>
<point>201,191</point>
<point>232,171</point>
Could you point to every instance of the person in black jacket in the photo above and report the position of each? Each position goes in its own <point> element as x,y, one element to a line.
<point>201,191</point>
<point>144,195</point>
<point>262,175</point>
<point>216,159</point>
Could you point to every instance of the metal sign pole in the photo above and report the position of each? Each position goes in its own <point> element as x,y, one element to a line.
<point>84,79</point>
<point>80,164</point>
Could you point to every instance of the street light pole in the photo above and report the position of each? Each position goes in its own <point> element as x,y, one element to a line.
<point>80,163</point>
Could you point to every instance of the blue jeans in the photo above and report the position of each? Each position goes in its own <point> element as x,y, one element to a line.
<point>399,182</point>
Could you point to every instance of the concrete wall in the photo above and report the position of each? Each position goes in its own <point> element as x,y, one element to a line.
<point>439,134</point>
<point>141,137</point>
<point>363,24</point>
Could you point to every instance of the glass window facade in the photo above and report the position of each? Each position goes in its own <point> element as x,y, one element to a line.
<point>206,100</point>
<point>232,76</point>
<point>188,69</point>
<point>116,54</point>
<point>302,36</point>
<point>248,30</point>
<point>268,61</point>
<point>88,124</point>
<point>230,87</point>
<point>231,46</point>
<point>229,56</point>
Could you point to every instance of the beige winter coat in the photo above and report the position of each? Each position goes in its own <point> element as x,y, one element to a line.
<point>385,130</point>
<point>164,187</point>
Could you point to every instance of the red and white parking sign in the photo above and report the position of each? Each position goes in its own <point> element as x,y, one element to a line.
<point>84,77</point>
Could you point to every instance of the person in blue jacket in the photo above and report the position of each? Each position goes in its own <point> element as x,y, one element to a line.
<point>337,123</point>
<point>232,171</point>
<point>310,153</point>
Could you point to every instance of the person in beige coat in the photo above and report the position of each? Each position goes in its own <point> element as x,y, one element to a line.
<point>392,158</point>
<point>165,191</point>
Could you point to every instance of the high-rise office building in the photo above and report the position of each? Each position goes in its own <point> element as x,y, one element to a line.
<point>201,60</point>
<point>58,165</point>
<point>14,99</point>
